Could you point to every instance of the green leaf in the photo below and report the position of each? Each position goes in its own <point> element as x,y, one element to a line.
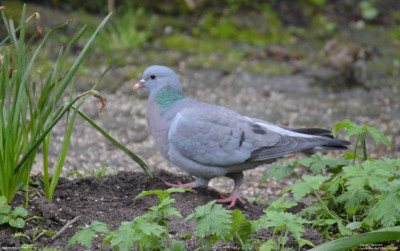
<point>378,236</point>
<point>124,237</point>
<point>372,173</point>
<point>99,227</point>
<point>351,156</point>
<point>351,128</point>
<point>211,219</point>
<point>342,229</point>
<point>370,13</point>
<point>324,162</point>
<point>354,225</point>
<point>138,231</point>
<point>386,211</point>
<point>279,172</point>
<point>3,200</point>
<point>85,236</point>
<point>177,246</point>
<point>309,184</point>
<point>17,223</point>
<point>19,211</point>
<point>161,194</point>
<point>303,242</point>
<point>164,208</point>
<point>353,199</point>
<point>151,229</point>
<point>291,222</point>
<point>280,205</point>
<point>377,136</point>
<point>4,219</point>
<point>240,227</point>
<point>269,245</point>
<point>5,209</point>
<point>306,162</point>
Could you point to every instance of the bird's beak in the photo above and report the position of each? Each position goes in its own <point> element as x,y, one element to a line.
<point>140,84</point>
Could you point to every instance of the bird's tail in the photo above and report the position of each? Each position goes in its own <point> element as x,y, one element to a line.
<point>335,144</point>
<point>332,144</point>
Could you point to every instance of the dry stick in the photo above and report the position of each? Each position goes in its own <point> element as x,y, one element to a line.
<point>62,230</point>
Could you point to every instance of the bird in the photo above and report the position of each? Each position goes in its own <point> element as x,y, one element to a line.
<point>209,141</point>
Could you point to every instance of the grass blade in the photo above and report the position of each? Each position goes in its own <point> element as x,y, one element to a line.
<point>80,58</point>
<point>378,236</point>
<point>136,158</point>
<point>38,141</point>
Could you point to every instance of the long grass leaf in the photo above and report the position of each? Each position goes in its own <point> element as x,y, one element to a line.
<point>133,156</point>
<point>39,140</point>
<point>79,59</point>
<point>378,236</point>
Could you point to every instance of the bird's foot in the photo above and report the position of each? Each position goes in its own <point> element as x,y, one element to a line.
<point>187,185</point>
<point>231,199</point>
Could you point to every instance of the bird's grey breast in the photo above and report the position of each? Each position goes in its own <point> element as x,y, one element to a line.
<point>159,121</point>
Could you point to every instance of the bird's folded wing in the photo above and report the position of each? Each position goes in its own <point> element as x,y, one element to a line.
<point>212,135</point>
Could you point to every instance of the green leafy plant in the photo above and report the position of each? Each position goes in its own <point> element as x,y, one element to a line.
<point>360,131</point>
<point>159,213</point>
<point>283,223</point>
<point>213,223</point>
<point>101,173</point>
<point>14,217</point>
<point>35,235</point>
<point>368,10</point>
<point>86,235</point>
<point>242,232</point>
<point>350,196</point>
<point>124,33</point>
<point>29,111</point>
<point>146,232</point>
<point>98,173</point>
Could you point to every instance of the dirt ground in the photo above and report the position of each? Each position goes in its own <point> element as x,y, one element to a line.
<point>110,200</point>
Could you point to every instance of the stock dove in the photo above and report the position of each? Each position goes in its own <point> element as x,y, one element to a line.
<point>208,141</point>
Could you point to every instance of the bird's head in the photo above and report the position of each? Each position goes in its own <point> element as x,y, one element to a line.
<point>157,77</point>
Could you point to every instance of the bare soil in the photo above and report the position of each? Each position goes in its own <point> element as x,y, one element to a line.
<point>111,200</point>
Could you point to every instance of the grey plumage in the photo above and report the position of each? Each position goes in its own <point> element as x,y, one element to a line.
<point>208,141</point>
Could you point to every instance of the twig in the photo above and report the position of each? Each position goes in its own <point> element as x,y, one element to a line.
<point>38,193</point>
<point>62,230</point>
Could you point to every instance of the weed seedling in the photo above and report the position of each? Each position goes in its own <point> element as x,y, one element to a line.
<point>13,217</point>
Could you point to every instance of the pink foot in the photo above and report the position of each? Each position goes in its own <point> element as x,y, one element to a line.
<point>187,185</point>
<point>231,199</point>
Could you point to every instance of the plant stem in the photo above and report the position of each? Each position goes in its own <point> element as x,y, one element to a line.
<point>355,149</point>
<point>325,207</point>
<point>133,156</point>
<point>319,199</point>
<point>364,146</point>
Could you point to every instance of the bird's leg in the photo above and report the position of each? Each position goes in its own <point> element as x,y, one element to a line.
<point>238,178</point>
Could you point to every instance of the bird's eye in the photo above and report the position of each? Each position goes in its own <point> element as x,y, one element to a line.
<point>152,76</point>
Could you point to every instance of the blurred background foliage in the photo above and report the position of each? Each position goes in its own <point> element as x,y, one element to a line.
<point>221,34</point>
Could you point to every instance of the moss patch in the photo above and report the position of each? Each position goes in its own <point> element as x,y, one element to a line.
<point>189,44</point>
